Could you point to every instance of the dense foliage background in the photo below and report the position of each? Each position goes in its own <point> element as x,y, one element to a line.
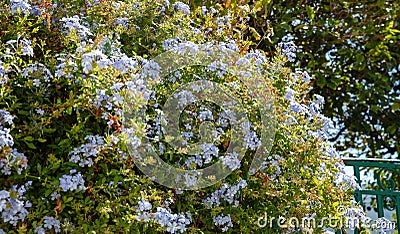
<point>351,49</point>
<point>64,69</point>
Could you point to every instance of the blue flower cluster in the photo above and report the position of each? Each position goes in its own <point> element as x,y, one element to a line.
<point>72,182</point>
<point>3,77</point>
<point>180,6</point>
<point>21,45</point>
<point>49,223</point>
<point>13,204</point>
<point>39,73</point>
<point>10,157</point>
<point>173,222</point>
<point>74,24</point>
<point>288,49</point>
<point>312,113</point>
<point>274,162</point>
<point>231,161</point>
<point>223,221</point>
<point>227,193</point>
<point>22,6</point>
<point>5,138</point>
<point>85,154</point>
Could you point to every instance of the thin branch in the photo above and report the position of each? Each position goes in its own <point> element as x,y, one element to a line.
<point>337,135</point>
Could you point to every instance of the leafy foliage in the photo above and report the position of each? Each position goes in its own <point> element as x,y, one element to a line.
<point>350,47</point>
<point>64,67</point>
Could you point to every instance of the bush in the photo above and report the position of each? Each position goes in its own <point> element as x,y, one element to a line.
<point>77,103</point>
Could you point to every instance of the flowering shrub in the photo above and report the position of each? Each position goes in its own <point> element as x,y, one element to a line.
<point>65,70</point>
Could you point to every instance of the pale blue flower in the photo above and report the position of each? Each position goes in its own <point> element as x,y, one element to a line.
<point>180,6</point>
<point>204,10</point>
<point>55,195</point>
<point>5,117</point>
<point>40,230</point>
<point>26,47</point>
<point>289,95</point>
<point>306,77</point>
<point>72,182</point>
<point>13,209</point>
<point>231,161</point>
<point>14,159</point>
<point>297,107</point>
<point>227,193</point>
<point>122,21</point>
<point>4,194</point>
<point>84,154</point>
<point>174,222</point>
<point>219,67</point>
<point>39,111</point>
<point>144,205</point>
<point>22,5</point>
<point>257,56</point>
<point>36,82</point>
<point>51,222</point>
<point>288,49</point>
<point>223,221</point>
<point>3,79</point>
<point>74,23</point>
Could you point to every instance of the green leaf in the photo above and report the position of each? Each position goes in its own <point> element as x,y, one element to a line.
<point>392,129</point>
<point>49,130</point>
<point>69,110</point>
<point>68,199</point>
<point>29,138</point>
<point>321,82</point>
<point>310,12</point>
<point>396,106</point>
<point>286,26</point>
<point>64,142</point>
<point>41,140</point>
<point>30,145</point>
<point>315,179</point>
<point>22,112</point>
<point>375,108</point>
<point>255,34</point>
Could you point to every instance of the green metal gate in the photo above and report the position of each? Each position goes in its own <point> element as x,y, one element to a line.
<point>385,189</point>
